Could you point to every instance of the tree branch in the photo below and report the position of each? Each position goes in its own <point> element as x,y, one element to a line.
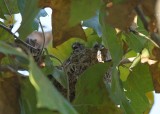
<point>154,36</point>
<point>17,38</point>
<point>140,13</point>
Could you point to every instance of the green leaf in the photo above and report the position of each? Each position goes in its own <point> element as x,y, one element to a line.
<point>29,10</point>
<point>47,94</point>
<point>60,76</point>
<point>92,38</point>
<point>135,42</point>
<point>29,100</point>
<point>117,93</point>
<point>64,50</point>
<point>91,94</point>
<point>1,13</point>
<point>6,36</point>
<point>124,72</point>
<point>141,28</point>
<point>110,39</point>
<point>8,7</point>
<point>137,85</point>
<point>7,49</point>
<point>82,10</point>
<point>135,62</point>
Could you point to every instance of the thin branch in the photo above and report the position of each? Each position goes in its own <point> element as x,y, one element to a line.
<point>154,36</point>
<point>127,60</point>
<point>9,31</point>
<point>142,16</point>
<point>43,37</point>
<point>52,56</point>
<point>144,36</point>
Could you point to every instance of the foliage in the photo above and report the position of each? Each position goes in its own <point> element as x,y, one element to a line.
<point>120,81</point>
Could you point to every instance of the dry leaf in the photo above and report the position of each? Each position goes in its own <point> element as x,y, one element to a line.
<point>121,15</point>
<point>9,94</point>
<point>147,60</point>
<point>155,70</point>
<point>60,22</point>
<point>148,7</point>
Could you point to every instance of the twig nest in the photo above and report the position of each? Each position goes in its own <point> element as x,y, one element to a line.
<point>80,59</point>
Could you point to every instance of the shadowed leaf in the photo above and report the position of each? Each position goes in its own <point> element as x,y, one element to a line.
<point>9,92</point>
<point>82,10</point>
<point>111,41</point>
<point>29,10</point>
<point>47,94</point>
<point>7,49</point>
<point>29,100</point>
<point>120,20</point>
<point>8,7</point>
<point>90,86</point>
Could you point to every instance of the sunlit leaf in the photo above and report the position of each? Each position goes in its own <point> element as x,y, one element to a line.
<point>47,94</point>
<point>63,51</point>
<point>124,72</point>
<point>150,97</point>
<point>135,61</point>
<point>29,100</point>
<point>92,38</point>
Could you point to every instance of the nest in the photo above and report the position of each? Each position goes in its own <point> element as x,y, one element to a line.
<point>80,59</point>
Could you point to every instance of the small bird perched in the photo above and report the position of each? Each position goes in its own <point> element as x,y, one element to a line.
<point>38,39</point>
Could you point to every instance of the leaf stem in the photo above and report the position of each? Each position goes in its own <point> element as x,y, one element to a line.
<point>43,37</point>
